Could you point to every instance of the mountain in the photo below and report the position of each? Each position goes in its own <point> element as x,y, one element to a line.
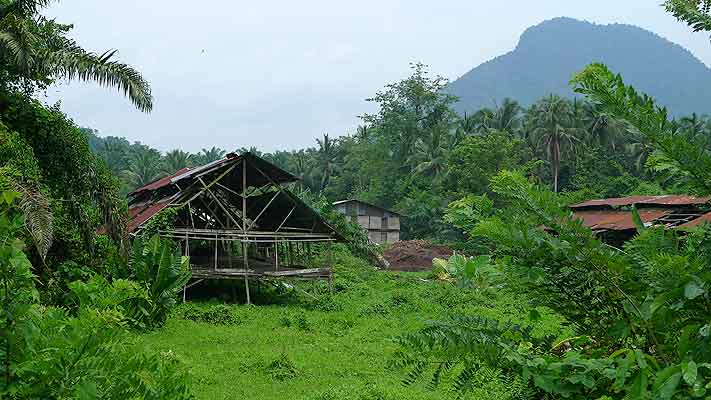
<point>550,53</point>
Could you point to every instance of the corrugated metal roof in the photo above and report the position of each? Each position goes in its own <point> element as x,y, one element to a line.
<point>142,213</point>
<point>667,200</point>
<point>162,182</point>
<point>616,220</point>
<point>706,218</point>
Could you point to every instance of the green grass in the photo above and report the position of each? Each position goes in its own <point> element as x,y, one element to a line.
<point>330,347</point>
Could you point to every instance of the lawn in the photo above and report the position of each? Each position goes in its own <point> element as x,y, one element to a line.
<point>339,346</point>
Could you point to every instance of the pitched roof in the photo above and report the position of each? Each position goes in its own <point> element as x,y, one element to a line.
<point>667,200</point>
<point>335,203</point>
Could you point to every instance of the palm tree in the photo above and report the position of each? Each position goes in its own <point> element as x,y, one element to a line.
<point>175,160</point>
<point>302,168</point>
<point>554,130</point>
<point>506,117</point>
<point>34,49</point>
<point>144,167</point>
<point>430,155</point>
<point>206,156</point>
<point>327,156</point>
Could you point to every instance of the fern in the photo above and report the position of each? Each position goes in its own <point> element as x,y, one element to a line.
<point>38,216</point>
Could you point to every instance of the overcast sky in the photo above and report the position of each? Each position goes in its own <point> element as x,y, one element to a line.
<point>276,74</point>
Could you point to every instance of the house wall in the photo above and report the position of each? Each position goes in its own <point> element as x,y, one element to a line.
<point>382,225</point>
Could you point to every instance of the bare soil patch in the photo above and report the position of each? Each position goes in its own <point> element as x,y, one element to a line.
<point>414,255</point>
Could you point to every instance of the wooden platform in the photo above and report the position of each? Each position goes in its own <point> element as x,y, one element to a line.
<point>258,273</point>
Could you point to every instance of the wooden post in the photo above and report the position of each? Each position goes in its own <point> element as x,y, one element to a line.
<point>329,260</point>
<point>244,227</point>
<point>187,254</point>
<point>276,255</point>
<point>215,251</point>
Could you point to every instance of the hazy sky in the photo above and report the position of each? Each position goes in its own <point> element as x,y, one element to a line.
<point>276,74</point>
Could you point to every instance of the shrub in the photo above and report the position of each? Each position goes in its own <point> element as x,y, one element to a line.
<point>48,354</point>
<point>219,314</point>
<point>158,266</point>
<point>282,368</point>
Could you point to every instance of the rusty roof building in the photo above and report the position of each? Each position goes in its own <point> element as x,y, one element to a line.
<point>612,218</point>
<point>236,219</point>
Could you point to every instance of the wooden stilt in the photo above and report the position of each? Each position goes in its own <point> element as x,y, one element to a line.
<point>244,228</point>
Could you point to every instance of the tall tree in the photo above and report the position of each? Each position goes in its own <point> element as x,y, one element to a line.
<point>206,156</point>
<point>175,160</point>
<point>327,157</point>
<point>555,131</point>
<point>144,168</point>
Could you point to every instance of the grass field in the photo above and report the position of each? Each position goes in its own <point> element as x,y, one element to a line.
<point>327,347</point>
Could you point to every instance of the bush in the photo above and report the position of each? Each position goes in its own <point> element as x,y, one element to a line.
<point>282,368</point>
<point>49,354</point>
<point>219,314</point>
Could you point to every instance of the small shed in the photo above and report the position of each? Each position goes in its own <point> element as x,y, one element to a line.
<point>382,225</point>
<point>612,218</point>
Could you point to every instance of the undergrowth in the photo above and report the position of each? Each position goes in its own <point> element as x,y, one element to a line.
<point>332,346</point>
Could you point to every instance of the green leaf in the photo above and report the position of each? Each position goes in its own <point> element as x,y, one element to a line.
<point>689,372</point>
<point>692,290</point>
<point>666,382</point>
<point>638,390</point>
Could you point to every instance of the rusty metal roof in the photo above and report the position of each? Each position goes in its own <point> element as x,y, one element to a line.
<point>666,201</point>
<point>141,213</point>
<point>706,218</point>
<point>162,182</point>
<point>616,220</point>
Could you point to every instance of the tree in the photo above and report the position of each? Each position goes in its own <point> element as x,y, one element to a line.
<point>144,168</point>
<point>206,156</point>
<point>175,160</point>
<point>506,117</point>
<point>554,131</point>
<point>327,158</point>
<point>35,51</point>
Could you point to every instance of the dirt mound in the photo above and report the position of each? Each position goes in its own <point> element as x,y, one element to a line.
<point>414,255</point>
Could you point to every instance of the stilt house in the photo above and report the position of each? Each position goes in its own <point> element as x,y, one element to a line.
<point>236,219</point>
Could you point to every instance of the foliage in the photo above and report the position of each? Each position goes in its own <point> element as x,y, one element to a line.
<point>342,352</point>
<point>219,314</point>
<point>159,268</point>
<point>475,273</point>
<point>694,12</point>
<point>37,50</point>
<point>687,151</point>
<point>46,353</point>
<point>637,314</point>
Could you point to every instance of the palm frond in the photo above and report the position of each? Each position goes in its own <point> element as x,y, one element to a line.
<point>73,62</point>
<point>25,8</point>
<point>38,215</point>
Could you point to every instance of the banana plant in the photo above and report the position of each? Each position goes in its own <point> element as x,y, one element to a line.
<point>158,265</point>
<point>476,273</point>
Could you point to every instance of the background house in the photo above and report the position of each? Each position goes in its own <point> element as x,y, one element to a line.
<point>382,225</point>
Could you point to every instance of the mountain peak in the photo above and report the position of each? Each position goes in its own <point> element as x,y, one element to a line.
<point>550,53</point>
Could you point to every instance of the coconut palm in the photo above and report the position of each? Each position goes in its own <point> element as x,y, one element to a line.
<point>206,156</point>
<point>175,160</point>
<point>327,158</point>
<point>506,117</point>
<point>430,156</point>
<point>144,167</point>
<point>35,49</point>
<point>554,130</point>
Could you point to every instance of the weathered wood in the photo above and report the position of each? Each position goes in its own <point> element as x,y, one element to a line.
<point>244,226</point>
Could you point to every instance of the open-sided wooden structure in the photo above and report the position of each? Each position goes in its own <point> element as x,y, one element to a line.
<point>237,220</point>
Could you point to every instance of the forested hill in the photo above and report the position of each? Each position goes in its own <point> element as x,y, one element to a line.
<point>548,54</point>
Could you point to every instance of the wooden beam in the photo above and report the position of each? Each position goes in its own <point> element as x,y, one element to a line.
<point>263,210</point>
<point>244,226</point>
